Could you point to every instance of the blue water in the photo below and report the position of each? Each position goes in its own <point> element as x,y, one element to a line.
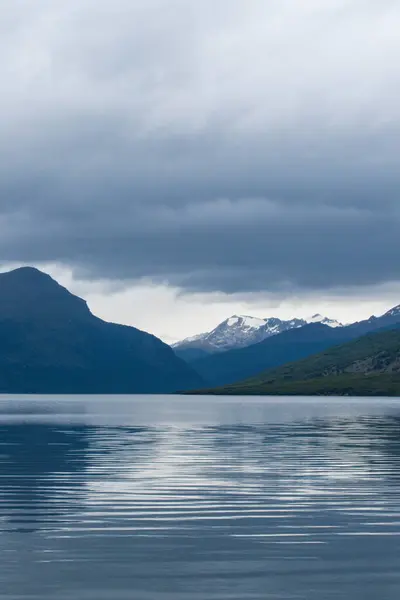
<point>192,498</point>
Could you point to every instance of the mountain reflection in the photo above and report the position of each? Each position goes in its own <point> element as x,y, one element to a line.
<point>42,469</point>
<point>49,472</point>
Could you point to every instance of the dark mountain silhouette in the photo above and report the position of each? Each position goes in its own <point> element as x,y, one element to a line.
<point>189,355</point>
<point>31,453</point>
<point>237,365</point>
<point>50,342</point>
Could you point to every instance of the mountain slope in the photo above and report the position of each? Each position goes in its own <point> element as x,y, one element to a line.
<point>240,331</point>
<point>341,385</point>
<point>368,365</point>
<point>50,342</point>
<point>236,365</point>
<point>190,354</point>
<point>391,317</point>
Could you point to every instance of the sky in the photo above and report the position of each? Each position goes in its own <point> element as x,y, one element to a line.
<point>176,162</point>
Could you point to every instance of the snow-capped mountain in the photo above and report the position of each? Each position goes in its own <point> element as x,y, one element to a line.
<point>241,330</point>
<point>324,320</point>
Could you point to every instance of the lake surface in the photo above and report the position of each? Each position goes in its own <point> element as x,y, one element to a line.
<point>192,498</point>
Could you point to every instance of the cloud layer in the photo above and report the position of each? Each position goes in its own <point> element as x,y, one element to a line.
<point>231,146</point>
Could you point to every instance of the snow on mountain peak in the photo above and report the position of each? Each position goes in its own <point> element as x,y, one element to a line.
<point>232,321</point>
<point>243,322</point>
<point>242,330</point>
<point>317,318</point>
<point>253,322</point>
<point>393,312</point>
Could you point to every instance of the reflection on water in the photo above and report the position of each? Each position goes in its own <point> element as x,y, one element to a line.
<point>199,498</point>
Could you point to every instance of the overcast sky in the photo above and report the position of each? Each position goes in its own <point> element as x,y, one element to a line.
<point>178,161</point>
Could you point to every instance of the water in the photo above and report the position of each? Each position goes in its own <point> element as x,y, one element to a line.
<point>197,498</point>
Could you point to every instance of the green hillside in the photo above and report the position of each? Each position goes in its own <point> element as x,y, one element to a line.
<point>367,366</point>
<point>233,366</point>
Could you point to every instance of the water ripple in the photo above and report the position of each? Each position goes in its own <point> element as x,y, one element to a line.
<point>125,499</point>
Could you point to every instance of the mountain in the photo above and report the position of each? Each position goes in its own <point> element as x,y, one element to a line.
<point>235,365</point>
<point>239,364</point>
<point>324,320</point>
<point>391,317</point>
<point>50,342</point>
<point>369,365</point>
<point>240,331</point>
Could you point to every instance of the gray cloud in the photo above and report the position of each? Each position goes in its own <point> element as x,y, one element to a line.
<point>244,147</point>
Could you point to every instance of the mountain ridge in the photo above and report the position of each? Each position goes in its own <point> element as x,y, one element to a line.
<point>239,331</point>
<point>238,364</point>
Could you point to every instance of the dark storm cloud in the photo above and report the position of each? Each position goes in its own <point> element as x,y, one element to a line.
<point>244,147</point>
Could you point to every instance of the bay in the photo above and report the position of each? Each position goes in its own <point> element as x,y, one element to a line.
<point>192,498</point>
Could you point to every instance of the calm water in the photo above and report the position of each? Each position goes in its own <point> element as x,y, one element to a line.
<point>199,498</point>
